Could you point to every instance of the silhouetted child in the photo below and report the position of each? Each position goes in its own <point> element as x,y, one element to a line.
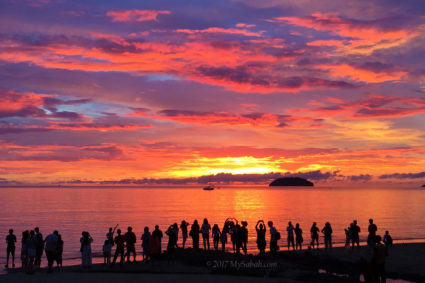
<point>388,240</point>
<point>216,236</point>
<point>347,237</point>
<point>107,250</point>
<point>10,250</point>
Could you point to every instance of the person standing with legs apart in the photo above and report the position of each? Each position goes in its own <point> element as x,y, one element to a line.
<point>10,240</point>
<point>51,249</point>
<point>120,243</point>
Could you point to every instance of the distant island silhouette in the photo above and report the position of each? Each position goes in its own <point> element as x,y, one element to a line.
<point>423,186</point>
<point>291,181</point>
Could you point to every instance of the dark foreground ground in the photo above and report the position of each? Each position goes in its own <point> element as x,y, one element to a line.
<point>405,262</point>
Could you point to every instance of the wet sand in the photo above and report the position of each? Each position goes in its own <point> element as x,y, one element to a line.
<point>405,262</point>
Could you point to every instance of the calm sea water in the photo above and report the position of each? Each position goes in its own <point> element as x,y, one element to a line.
<point>72,210</point>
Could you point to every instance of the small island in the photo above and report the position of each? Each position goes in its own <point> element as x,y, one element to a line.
<point>291,181</point>
<point>423,186</point>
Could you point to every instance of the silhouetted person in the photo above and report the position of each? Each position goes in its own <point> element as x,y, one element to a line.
<point>145,243</point>
<point>273,237</point>
<point>107,252</point>
<point>348,236</point>
<point>366,263</point>
<point>194,233</point>
<point>40,246</point>
<point>223,237</point>
<point>32,250</point>
<point>388,240</point>
<point>314,235</point>
<point>10,250</point>
<point>238,238</point>
<point>378,260</point>
<point>260,227</point>
<point>157,234</point>
<point>355,230</point>
<point>51,249</point>
<point>298,237</point>
<point>155,243</point>
<point>291,240</point>
<point>172,238</point>
<point>59,250</point>
<point>205,229</point>
<point>86,255</point>
<point>110,234</point>
<point>183,227</point>
<point>119,250</point>
<point>24,248</point>
<point>176,234</point>
<point>233,230</point>
<point>244,236</point>
<point>372,231</point>
<point>327,231</point>
<point>216,236</point>
<point>130,240</point>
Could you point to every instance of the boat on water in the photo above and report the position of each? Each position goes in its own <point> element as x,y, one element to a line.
<point>208,188</point>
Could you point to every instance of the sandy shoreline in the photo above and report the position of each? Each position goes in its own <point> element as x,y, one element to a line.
<point>405,261</point>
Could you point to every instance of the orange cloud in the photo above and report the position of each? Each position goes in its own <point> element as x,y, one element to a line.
<point>136,15</point>
<point>362,36</point>
<point>362,75</point>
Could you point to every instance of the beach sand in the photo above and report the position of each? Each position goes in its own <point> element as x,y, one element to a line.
<point>405,262</point>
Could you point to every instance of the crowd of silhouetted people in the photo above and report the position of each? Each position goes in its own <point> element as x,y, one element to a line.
<point>33,245</point>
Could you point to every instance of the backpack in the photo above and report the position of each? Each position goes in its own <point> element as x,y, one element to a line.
<point>277,235</point>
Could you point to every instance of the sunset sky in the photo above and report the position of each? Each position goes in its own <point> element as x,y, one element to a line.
<point>123,92</point>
